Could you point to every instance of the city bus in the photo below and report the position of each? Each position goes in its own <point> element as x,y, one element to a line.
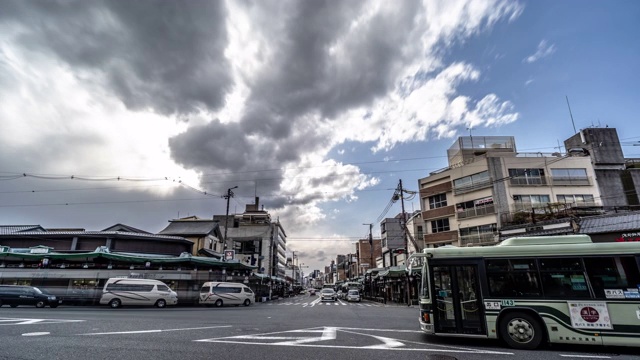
<point>528,291</point>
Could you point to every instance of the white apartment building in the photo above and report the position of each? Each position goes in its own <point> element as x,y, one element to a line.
<point>489,185</point>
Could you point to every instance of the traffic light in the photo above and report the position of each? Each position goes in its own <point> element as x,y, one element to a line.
<point>399,251</point>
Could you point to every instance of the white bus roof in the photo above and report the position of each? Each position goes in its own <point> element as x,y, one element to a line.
<point>537,246</point>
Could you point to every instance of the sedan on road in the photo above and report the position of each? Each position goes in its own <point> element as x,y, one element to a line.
<point>328,294</point>
<point>353,295</point>
<point>15,295</point>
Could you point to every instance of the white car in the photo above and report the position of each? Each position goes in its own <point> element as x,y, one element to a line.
<point>328,294</point>
<point>353,295</point>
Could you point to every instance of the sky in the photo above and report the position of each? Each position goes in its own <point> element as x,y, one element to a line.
<point>142,112</point>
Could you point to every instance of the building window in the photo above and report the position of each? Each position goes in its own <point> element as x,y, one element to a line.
<point>526,176</point>
<point>579,200</point>
<point>569,177</point>
<point>437,201</point>
<point>472,182</point>
<point>528,202</point>
<point>440,225</point>
<point>476,207</point>
<point>569,173</point>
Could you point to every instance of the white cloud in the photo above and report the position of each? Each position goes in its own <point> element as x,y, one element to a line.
<point>543,50</point>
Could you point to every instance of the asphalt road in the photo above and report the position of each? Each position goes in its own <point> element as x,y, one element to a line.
<point>291,328</point>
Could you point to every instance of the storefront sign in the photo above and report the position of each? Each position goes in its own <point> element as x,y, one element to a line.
<point>629,237</point>
<point>589,315</point>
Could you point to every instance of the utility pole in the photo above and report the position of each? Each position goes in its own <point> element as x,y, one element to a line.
<point>371,260</point>
<point>404,236</point>
<point>404,222</point>
<point>228,196</point>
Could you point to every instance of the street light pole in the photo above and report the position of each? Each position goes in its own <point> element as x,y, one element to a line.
<point>228,196</point>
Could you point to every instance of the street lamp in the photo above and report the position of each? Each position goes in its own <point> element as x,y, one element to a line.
<point>228,196</point>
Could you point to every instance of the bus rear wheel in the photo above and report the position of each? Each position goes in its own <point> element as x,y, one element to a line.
<point>521,331</point>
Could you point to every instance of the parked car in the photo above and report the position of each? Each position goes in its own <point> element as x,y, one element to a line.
<point>16,295</point>
<point>124,291</point>
<point>328,294</point>
<point>353,295</point>
<point>226,293</point>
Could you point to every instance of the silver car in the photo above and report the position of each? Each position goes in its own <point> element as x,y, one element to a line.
<point>328,294</point>
<point>353,295</point>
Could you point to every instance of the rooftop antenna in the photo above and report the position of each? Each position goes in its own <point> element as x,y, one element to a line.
<point>570,114</point>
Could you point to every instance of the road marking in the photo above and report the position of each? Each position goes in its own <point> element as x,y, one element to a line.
<point>155,330</point>
<point>587,356</point>
<point>22,321</point>
<point>36,334</point>
<point>294,338</point>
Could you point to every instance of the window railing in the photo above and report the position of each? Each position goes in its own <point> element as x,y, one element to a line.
<point>478,239</point>
<point>528,181</point>
<point>570,181</point>
<point>473,187</point>
<point>476,211</point>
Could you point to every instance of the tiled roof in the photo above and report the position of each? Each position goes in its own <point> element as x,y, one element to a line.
<point>610,223</point>
<point>190,228</point>
<point>10,229</point>
<point>125,228</point>
<point>120,234</point>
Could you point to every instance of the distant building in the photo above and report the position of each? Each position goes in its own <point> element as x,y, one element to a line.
<point>256,239</point>
<point>367,253</point>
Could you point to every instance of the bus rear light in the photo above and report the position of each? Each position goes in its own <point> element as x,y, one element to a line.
<point>425,317</point>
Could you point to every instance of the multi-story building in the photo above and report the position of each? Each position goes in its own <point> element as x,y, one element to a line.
<point>394,240</point>
<point>256,239</point>
<point>415,232</point>
<point>618,178</point>
<point>489,185</point>
<point>366,253</point>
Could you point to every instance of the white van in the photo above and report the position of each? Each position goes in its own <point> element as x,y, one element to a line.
<point>226,293</point>
<point>125,291</point>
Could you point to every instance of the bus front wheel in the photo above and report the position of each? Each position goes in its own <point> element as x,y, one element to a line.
<point>521,331</point>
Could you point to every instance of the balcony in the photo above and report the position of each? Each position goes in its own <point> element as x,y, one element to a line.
<point>550,180</point>
<point>473,187</point>
<point>525,213</point>
<point>528,181</point>
<point>478,239</point>
<point>476,211</point>
<point>571,181</point>
<point>440,237</point>
<point>444,211</point>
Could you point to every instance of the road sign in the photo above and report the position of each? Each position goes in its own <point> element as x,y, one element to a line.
<point>229,254</point>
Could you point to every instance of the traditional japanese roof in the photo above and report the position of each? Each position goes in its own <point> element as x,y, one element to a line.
<point>629,221</point>
<point>113,234</point>
<point>190,227</point>
<point>12,229</point>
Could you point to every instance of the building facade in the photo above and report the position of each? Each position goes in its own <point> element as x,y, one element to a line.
<point>488,185</point>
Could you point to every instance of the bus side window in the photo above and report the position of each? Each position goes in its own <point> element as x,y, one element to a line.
<point>563,277</point>
<point>612,273</point>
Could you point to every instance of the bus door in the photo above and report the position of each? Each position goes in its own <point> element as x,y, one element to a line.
<point>457,305</point>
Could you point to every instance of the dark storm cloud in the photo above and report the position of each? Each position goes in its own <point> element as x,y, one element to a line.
<point>161,55</point>
<point>306,84</point>
<point>306,77</point>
